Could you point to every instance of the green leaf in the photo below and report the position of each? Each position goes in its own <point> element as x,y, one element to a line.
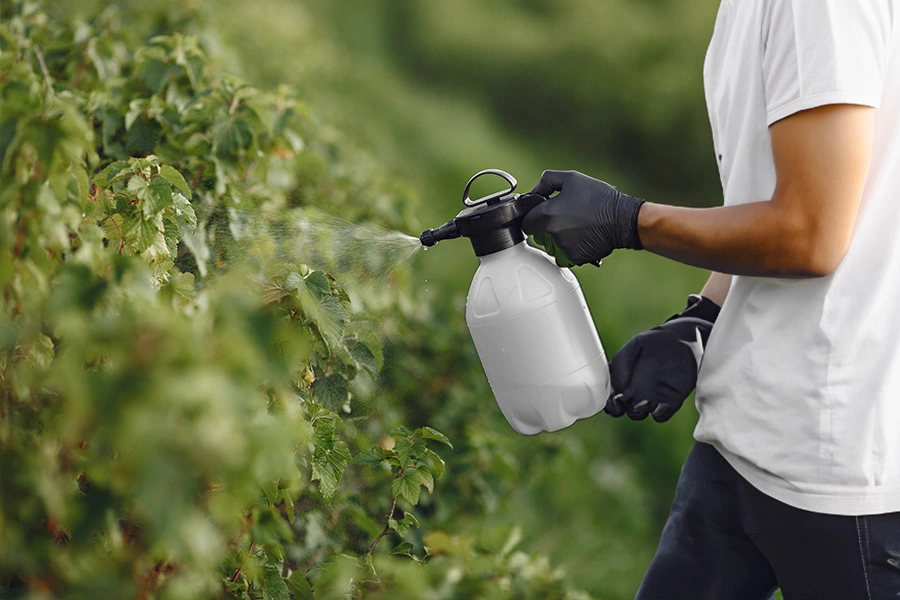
<point>317,283</point>
<point>371,457</point>
<point>273,585</point>
<point>408,486</point>
<point>299,586</point>
<point>432,434</point>
<point>172,175</point>
<point>409,450</point>
<point>437,463</point>
<point>426,477</point>
<point>183,285</point>
<point>157,197</point>
<point>403,549</point>
<point>364,345</point>
<point>139,233</point>
<point>332,391</point>
<point>111,173</point>
<point>403,526</point>
<point>329,466</point>
<point>142,137</point>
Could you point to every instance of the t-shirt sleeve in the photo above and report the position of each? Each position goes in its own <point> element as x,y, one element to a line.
<point>819,52</point>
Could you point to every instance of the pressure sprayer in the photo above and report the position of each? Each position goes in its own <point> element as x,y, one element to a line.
<point>528,317</point>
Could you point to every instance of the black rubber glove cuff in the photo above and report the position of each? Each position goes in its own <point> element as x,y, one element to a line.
<point>633,239</point>
<point>699,307</point>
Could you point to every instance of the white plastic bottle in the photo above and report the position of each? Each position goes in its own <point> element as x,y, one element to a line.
<point>527,316</point>
<point>536,340</point>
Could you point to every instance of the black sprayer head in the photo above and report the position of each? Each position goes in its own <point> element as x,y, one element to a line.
<point>492,223</point>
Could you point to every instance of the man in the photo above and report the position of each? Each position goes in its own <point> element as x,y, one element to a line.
<point>794,481</point>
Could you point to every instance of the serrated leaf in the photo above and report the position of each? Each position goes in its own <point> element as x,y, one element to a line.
<point>273,585</point>
<point>329,466</point>
<point>132,226</point>
<point>183,208</point>
<point>432,434</point>
<point>364,344</point>
<point>171,174</point>
<point>111,173</point>
<point>137,185</point>
<point>183,285</point>
<point>157,197</point>
<point>371,457</point>
<point>426,477</point>
<point>113,230</point>
<point>299,586</point>
<point>403,549</point>
<point>408,486</point>
<point>408,451</point>
<point>172,235</point>
<point>332,391</point>
<point>294,282</point>
<point>403,526</point>
<point>437,463</point>
<point>317,283</point>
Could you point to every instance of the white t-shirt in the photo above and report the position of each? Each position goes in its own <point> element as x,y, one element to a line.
<point>800,384</point>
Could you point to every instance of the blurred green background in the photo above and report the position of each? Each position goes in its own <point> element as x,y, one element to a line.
<point>430,93</point>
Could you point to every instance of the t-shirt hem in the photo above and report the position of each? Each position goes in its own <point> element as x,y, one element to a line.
<point>853,502</point>
<point>840,97</point>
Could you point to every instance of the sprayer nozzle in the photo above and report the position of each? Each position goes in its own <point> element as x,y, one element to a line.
<point>447,231</point>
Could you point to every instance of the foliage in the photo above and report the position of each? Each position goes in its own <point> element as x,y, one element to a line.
<point>174,393</point>
<point>188,408</point>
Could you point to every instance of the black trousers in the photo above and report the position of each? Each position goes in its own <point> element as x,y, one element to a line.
<point>726,540</point>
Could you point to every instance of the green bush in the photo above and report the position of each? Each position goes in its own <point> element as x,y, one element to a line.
<point>191,405</point>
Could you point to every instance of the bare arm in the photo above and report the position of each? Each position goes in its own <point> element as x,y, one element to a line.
<point>716,287</point>
<point>821,159</point>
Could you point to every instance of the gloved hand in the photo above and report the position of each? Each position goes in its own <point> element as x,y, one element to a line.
<point>656,370</point>
<point>586,221</point>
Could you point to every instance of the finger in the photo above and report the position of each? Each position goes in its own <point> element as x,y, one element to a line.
<point>662,413</point>
<point>636,409</point>
<point>533,223</point>
<point>551,181</point>
<point>613,407</point>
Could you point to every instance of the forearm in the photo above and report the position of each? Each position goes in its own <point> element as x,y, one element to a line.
<point>716,287</point>
<point>760,239</point>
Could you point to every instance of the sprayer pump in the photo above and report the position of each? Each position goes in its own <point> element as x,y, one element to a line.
<point>527,316</point>
<point>491,223</point>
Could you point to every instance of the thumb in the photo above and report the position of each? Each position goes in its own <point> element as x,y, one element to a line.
<point>551,181</point>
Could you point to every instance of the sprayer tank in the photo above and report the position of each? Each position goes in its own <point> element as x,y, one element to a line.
<point>536,340</point>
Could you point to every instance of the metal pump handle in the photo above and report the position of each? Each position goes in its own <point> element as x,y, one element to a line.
<point>490,197</point>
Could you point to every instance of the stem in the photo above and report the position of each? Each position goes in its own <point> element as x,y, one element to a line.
<point>198,176</point>
<point>241,568</point>
<point>387,527</point>
<point>40,57</point>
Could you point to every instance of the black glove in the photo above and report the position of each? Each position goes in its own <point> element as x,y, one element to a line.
<point>586,221</point>
<point>656,370</point>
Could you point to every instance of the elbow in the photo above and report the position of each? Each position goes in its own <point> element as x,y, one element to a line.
<point>819,259</point>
